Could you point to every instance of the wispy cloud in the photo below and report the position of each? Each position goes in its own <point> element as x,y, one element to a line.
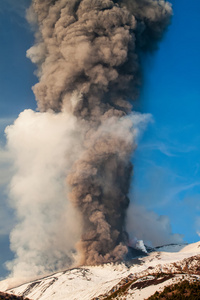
<point>153,229</point>
<point>4,122</point>
<point>6,215</point>
<point>165,166</point>
<point>175,191</point>
<point>7,220</point>
<point>169,141</point>
<point>167,149</point>
<point>197,225</point>
<point>18,7</point>
<point>5,167</point>
<point>5,158</point>
<point>17,11</point>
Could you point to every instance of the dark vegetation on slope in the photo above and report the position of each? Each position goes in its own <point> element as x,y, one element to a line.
<point>126,284</point>
<point>180,291</point>
<point>4,296</point>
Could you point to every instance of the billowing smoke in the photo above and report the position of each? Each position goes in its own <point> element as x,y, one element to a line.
<point>87,53</point>
<point>154,230</point>
<point>40,144</point>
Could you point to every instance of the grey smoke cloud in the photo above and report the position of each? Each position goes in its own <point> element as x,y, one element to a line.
<point>152,19</point>
<point>90,48</point>
<point>87,53</point>
<point>100,183</point>
<point>153,229</point>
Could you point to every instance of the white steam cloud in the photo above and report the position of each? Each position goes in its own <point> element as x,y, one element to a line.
<point>41,146</point>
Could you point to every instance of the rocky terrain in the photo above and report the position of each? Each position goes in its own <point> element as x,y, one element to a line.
<point>139,278</point>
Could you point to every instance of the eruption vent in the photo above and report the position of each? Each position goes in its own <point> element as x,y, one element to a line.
<point>88,67</point>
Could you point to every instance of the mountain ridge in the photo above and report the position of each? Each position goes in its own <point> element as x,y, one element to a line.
<point>139,278</point>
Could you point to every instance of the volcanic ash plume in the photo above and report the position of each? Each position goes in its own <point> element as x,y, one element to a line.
<point>88,67</point>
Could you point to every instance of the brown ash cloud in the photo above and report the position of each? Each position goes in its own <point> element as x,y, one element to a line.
<point>87,53</point>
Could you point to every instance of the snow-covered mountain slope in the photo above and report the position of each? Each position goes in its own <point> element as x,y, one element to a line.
<point>138,278</point>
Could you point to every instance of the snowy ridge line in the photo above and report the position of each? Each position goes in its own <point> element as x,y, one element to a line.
<point>160,248</point>
<point>187,269</point>
<point>139,278</point>
<point>76,283</point>
<point>44,277</point>
<point>145,287</point>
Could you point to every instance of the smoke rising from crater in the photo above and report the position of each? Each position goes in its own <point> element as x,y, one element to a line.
<point>87,54</point>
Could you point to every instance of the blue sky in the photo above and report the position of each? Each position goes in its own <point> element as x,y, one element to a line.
<point>167,170</point>
<point>167,161</point>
